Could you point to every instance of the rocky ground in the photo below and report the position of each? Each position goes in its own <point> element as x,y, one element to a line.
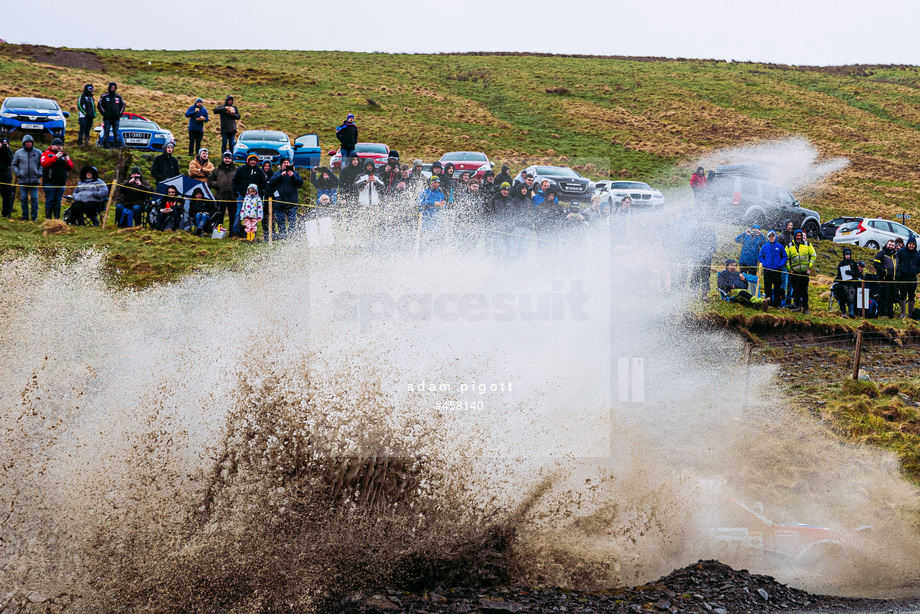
<point>704,587</point>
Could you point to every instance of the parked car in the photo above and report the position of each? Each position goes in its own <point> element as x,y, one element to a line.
<point>378,152</point>
<point>737,193</point>
<point>642,195</point>
<point>35,116</point>
<point>829,229</point>
<point>266,144</point>
<point>307,152</point>
<point>138,134</point>
<point>569,185</point>
<point>872,232</point>
<point>475,162</point>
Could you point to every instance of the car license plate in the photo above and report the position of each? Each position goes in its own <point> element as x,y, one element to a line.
<point>136,141</point>
<point>32,127</point>
<point>266,158</point>
<point>846,232</point>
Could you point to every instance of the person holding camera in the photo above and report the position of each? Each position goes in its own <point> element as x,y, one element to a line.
<point>132,196</point>
<point>56,165</point>
<point>283,187</point>
<point>6,177</point>
<point>751,241</point>
<point>197,116</point>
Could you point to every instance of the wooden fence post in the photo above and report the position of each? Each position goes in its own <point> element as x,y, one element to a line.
<point>105,216</point>
<point>857,354</point>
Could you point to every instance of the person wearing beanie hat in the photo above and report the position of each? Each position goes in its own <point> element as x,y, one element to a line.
<point>908,266</point>
<point>772,258</point>
<point>56,166</point>
<point>86,111</point>
<point>733,286</point>
<point>197,116</point>
<point>844,283</point>
<point>131,198</point>
<point>430,203</point>
<point>751,241</point>
<point>801,260</point>
<point>347,134</point>
<point>26,165</point>
<point>111,105</point>
<point>249,174</point>
<point>200,167</point>
<point>229,113</point>
<point>221,183</point>
<point>165,166</point>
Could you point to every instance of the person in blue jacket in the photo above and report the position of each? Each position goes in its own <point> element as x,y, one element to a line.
<point>197,117</point>
<point>430,203</point>
<point>751,241</point>
<point>773,259</point>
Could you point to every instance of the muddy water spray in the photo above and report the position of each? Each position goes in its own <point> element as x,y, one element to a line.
<point>273,438</point>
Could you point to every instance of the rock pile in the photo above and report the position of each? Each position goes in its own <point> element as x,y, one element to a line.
<point>706,587</point>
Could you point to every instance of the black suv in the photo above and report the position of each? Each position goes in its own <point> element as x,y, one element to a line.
<point>568,184</point>
<point>738,193</point>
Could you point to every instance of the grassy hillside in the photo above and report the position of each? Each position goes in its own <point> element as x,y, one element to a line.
<point>650,119</point>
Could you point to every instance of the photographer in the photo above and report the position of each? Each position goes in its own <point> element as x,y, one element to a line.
<point>6,176</point>
<point>56,165</point>
<point>131,199</point>
<point>751,241</point>
<point>283,187</point>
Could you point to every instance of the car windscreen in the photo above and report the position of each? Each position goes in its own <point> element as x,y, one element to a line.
<point>31,103</point>
<point>137,124</point>
<point>629,185</point>
<point>371,148</point>
<point>463,156</point>
<point>264,135</point>
<point>555,171</point>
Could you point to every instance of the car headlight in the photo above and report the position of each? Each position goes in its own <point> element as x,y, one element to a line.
<point>242,146</point>
<point>619,194</point>
<point>7,114</point>
<point>284,148</point>
<point>58,117</point>
<point>484,168</point>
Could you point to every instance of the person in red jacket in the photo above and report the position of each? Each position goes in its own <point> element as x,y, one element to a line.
<point>56,165</point>
<point>698,182</point>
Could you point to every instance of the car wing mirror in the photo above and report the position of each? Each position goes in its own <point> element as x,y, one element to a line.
<point>298,145</point>
<point>332,153</point>
<point>66,113</point>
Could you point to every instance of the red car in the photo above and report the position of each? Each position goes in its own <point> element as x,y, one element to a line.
<point>378,152</point>
<point>474,162</point>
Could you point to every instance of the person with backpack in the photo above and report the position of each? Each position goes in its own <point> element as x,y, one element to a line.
<point>86,110</point>
<point>197,116</point>
<point>132,196</point>
<point>773,259</point>
<point>801,259</point>
<point>908,266</point>
<point>347,134</point>
<point>229,114</point>
<point>111,105</point>
<point>27,166</point>
<point>56,165</point>
<point>887,289</point>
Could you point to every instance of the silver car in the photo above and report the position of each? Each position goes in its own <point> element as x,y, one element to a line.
<point>872,232</point>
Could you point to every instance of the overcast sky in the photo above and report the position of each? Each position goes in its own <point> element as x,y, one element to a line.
<point>821,32</point>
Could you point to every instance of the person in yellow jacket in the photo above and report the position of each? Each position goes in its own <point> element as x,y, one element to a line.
<point>801,258</point>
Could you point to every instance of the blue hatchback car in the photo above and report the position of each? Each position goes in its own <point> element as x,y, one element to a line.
<point>266,144</point>
<point>139,134</point>
<point>36,116</point>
